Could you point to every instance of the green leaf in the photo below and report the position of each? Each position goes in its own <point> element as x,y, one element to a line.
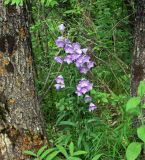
<point>41,150</point>
<point>93,91</point>
<point>52,155</point>
<point>30,153</point>
<point>133,151</point>
<point>17,2</point>
<point>105,100</point>
<point>132,103</point>
<point>71,148</point>
<point>143,106</point>
<point>57,158</point>
<point>69,123</point>
<point>80,138</point>
<point>141,133</point>
<point>7,2</point>
<point>97,156</point>
<point>47,152</point>
<point>62,150</point>
<point>141,89</point>
<point>43,1</point>
<point>77,153</point>
<point>73,158</point>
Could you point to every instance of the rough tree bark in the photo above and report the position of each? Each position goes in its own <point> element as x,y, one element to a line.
<point>138,60</point>
<point>20,124</point>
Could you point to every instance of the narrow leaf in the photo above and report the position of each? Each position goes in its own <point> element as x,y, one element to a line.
<point>52,155</point>
<point>30,153</point>
<point>77,153</point>
<point>47,152</point>
<point>97,156</point>
<point>67,123</point>
<point>62,150</point>
<point>41,150</point>
<point>73,158</point>
<point>71,148</point>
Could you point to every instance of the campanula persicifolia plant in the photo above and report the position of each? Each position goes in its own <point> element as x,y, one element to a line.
<point>104,27</point>
<point>76,55</point>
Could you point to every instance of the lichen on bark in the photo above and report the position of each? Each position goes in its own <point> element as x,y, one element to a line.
<point>20,114</point>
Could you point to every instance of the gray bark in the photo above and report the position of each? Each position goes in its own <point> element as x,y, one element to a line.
<point>138,62</point>
<point>20,117</point>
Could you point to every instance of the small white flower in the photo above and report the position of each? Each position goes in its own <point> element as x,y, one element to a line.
<point>61,28</point>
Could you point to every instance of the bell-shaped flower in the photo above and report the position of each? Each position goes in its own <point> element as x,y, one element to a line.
<point>92,107</point>
<point>58,59</point>
<point>61,28</point>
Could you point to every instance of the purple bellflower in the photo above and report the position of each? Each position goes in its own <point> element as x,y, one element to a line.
<point>84,64</point>
<point>83,87</point>
<point>69,48</point>
<point>77,48</point>
<point>68,59</point>
<point>58,59</point>
<point>59,82</point>
<point>60,42</point>
<point>92,107</point>
<point>84,50</point>
<point>88,99</point>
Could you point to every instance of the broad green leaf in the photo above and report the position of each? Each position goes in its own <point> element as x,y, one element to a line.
<point>47,152</point>
<point>71,148</point>
<point>62,150</point>
<point>141,89</point>
<point>97,156</point>
<point>141,133</point>
<point>30,153</point>
<point>41,150</point>
<point>132,103</point>
<point>52,155</point>
<point>77,153</point>
<point>133,151</point>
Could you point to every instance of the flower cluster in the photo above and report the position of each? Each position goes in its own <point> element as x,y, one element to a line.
<point>77,55</point>
<point>83,87</point>
<point>59,82</point>
<point>74,54</point>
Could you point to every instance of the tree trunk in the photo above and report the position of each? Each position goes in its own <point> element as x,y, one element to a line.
<point>20,118</point>
<point>138,60</point>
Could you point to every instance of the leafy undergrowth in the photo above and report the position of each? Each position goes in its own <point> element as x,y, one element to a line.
<point>103,27</point>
